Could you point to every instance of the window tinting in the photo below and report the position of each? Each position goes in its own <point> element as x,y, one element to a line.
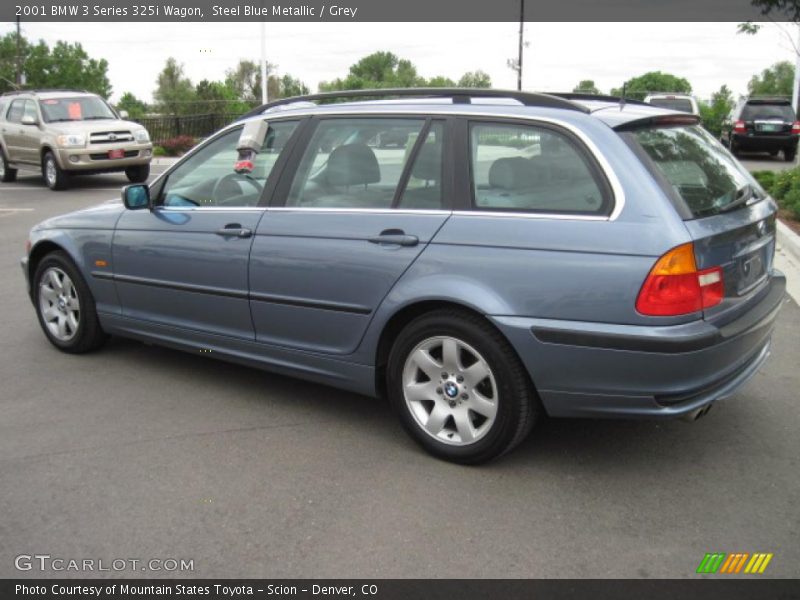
<point>424,188</point>
<point>754,112</point>
<point>516,167</point>
<point>700,170</point>
<point>354,163</point>
<point>207,178</point>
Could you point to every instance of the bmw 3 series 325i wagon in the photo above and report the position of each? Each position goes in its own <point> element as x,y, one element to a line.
<point>511,255</point>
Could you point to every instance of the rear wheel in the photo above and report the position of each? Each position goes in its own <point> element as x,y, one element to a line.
<point>459,388</point>
<point>138,174</point>
<point>7,174</point>
<point>54,176</point>
<point>65,306</point>
<point>789,154</point>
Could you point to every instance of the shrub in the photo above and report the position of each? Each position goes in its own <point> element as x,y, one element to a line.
<point>178,145</point>
<point>159,151</point>
<point>791,202</point>
<point>785,189</point>
<point>766,179</point>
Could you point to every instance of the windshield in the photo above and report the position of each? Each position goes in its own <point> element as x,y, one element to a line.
<point>699,169</point>
<point>82,108</point>
<point>754,112</point>
<point>682,104</point>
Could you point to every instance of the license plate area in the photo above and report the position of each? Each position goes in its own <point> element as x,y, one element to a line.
<point>752,269</point>
<point>114,154</point>
<point>769,127</point>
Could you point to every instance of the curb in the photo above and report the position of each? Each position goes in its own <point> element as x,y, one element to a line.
<point>164,161</point>
<point>788,240</point>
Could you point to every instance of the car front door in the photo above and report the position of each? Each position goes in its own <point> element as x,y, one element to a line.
<point>346,221</point>
<point>184,263</point>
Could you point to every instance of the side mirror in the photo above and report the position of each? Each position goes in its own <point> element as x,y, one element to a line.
<point>29,120</point>
<point>136,196</point>
<point>123,114</point>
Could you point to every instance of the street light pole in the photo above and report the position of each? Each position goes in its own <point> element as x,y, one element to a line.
<point>264,92</point>
<point>519,56</point>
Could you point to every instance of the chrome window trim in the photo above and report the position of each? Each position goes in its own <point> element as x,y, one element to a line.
<point>608,171</point>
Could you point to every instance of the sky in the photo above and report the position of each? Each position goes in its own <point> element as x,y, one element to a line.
<point>557,57</point>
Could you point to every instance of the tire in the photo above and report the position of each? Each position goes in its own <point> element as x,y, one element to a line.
<point>789,154</point>
<point>468,428</point>
<point>138,174</point>
<point>734,148</point>
<point>65,306</point>
<point>54,176</point>
<point>7,174</point>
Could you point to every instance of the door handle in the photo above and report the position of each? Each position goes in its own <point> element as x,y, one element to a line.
<point>394,237</point>
<point>235,230</point>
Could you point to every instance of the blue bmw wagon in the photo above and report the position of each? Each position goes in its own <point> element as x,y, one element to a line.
<point>479,257</point>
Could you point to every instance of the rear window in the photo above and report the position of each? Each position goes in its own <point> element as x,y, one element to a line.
<point>756,112</point>
<point>682,104</point>
<point>699,170</point>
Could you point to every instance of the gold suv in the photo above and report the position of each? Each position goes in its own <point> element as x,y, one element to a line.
<point>65,132</point>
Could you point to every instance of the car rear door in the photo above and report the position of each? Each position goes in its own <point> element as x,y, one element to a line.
<point>729,218</point>
<point>14,131</point>
<point>349,216</point>
<point>185,263</point>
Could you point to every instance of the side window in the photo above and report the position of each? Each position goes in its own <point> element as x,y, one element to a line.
<point>16,110</point>
<point>354,163</point>
<point>529,168</point>
<point>424,187</point>
<point>207,178</point>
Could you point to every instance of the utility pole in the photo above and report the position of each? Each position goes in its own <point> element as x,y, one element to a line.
<point>264,92</point>
<point>519,57</point>
<point>18,76</point>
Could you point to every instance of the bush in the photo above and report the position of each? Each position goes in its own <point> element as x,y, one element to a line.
<point>159,151</point>
<point>785,188</point>
<point>178,145</point>
<point>766,179</point>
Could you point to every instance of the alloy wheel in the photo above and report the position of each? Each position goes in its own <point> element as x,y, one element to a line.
<point>59,304</point>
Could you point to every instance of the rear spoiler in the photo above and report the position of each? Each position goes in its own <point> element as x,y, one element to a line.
<point>659,121</point>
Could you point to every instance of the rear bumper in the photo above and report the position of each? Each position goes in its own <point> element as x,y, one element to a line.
<point>623,371</point>
<point>764,142</point>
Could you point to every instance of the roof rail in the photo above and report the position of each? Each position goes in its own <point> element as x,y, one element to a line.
<point>459,96</point>
<point>578,96</point>
<point>44,91</point>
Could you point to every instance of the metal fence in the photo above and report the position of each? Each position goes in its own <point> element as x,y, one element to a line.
<point>163,128</point>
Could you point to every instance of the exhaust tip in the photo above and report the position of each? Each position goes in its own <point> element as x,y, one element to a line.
<point>697,413</point>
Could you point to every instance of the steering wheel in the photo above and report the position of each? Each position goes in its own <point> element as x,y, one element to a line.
<point>230,180</point>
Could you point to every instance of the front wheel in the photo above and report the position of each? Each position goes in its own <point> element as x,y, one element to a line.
<point>65,306</point>
<point>138,174</point>
<point>54,176</point>
<point>459,388</point>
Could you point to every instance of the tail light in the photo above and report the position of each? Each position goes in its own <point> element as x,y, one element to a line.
<point>796,127</point>
<point>739,127</point>
<point>674,286</point>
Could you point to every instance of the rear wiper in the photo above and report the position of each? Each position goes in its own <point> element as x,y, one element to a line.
<point>744,195</point>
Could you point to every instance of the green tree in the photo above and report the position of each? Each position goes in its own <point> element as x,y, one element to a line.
<point>65,65</point>
<point>245,81</point>
<point>378,70</point>
<point>135,108</point>
<point>174,94</point>
<point>776,80</point>
<point>586,86</point>
<point>440,81</point>
<point>714,112</point>
<point>654,81</point>
<point>290,86</point>
<point>475,79</point>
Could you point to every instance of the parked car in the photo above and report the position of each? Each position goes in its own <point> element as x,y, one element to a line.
<point>762,125</point>
<point>682,102</point>
<point>574,258</point>
<point>65,132</point>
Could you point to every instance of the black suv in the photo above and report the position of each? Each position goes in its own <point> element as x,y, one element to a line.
<point>762,125</point>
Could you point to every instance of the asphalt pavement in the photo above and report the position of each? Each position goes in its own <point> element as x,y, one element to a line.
<point>138,452</point>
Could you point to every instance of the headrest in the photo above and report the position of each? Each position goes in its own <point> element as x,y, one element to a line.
<point>428,165</point>
<point>352,164</point>
<point>512,173</point>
